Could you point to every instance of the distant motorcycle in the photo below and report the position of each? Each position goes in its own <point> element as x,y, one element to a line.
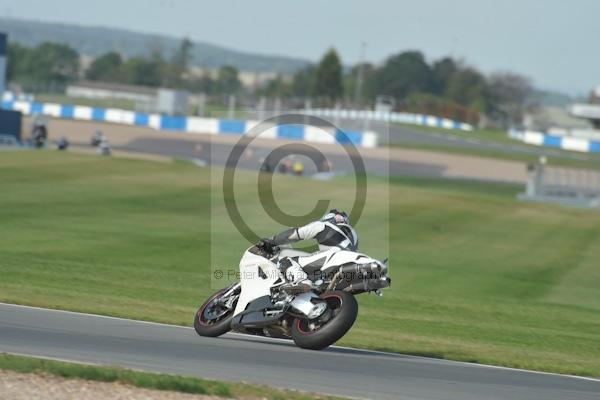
<point>62,144</point>
<point>39,136</point>
<point>96,139</point>
<point>263,303</point>
<point>104,148</point>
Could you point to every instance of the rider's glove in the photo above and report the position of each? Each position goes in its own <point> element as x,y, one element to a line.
<point>266,245</point>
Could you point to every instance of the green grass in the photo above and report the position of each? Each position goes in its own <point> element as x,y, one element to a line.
<point>149,380</point>
<point>221,111</point>
<point>591,161</point>
<point>84,101</point>
<point>488,134</point>
<point>477,275</point>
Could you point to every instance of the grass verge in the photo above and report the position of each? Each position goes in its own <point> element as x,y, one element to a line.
<point>592,161</point>
<point>477,275</point>
<point>489,135</point>
<point>84,101</point>
<point>149,380</point>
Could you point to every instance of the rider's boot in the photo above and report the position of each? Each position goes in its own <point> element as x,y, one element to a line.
<point>297,279</point>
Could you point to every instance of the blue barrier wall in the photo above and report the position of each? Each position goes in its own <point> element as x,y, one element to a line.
<point>559,142</point>
<point>181,123</point>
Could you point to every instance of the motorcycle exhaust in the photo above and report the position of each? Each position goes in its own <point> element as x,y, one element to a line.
<point>369,286</point>
<point>353,272</point>
<point>365,269</point>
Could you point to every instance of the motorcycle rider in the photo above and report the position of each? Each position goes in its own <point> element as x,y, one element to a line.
<point>333,232</point>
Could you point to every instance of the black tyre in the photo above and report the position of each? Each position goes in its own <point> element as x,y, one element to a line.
<point>324,331</point>
<point>212,318</point>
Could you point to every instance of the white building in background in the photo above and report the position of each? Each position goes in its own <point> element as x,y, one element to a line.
<point>585,119</point>
<point>545,117</point>
<point>249,79</point>
<point>171,102</point>
<point>146,99</point>
<point>104,90</point>
<point>590,111</point>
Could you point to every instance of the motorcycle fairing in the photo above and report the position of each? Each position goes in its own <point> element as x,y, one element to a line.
<point>345,257</point>
<point>253,316</point>
<point>257,276</point>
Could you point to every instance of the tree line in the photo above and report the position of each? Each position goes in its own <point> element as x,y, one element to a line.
<point>446,86</point>
<point>58,65</point>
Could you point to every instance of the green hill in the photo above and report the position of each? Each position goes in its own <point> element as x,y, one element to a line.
<point>94,40</point>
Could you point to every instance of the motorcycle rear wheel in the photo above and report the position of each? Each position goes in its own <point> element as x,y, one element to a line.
<point>213,327</point>
<point>311,334</point>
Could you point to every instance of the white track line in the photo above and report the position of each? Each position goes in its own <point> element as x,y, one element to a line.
<point>267,339</point>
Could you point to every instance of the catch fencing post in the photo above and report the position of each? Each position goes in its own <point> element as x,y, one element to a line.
<point>2,63</point>
<point>201,104</point>
<point>231,108</point>
<point>262,106</point>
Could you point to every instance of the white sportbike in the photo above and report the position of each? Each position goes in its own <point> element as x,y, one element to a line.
<point>315,317</point>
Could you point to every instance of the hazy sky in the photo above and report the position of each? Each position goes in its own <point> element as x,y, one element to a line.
<point>554,42</point>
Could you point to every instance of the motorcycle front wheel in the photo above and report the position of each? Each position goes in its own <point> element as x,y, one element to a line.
<point>213,318</point>
<point>327,329</point>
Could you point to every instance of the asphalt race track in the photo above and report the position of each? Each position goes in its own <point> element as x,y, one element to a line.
<point>215,150</point>
<point>340,371</point>
<point>402,134</point>
<point>217,154</point>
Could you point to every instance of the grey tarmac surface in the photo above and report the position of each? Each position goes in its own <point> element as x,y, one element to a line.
<point>400,134</point>
<point>214,150</point>
<point>218,153</point>
<point>337,370</point>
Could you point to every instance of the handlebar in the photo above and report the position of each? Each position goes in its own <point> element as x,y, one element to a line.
<point>264,250</point>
